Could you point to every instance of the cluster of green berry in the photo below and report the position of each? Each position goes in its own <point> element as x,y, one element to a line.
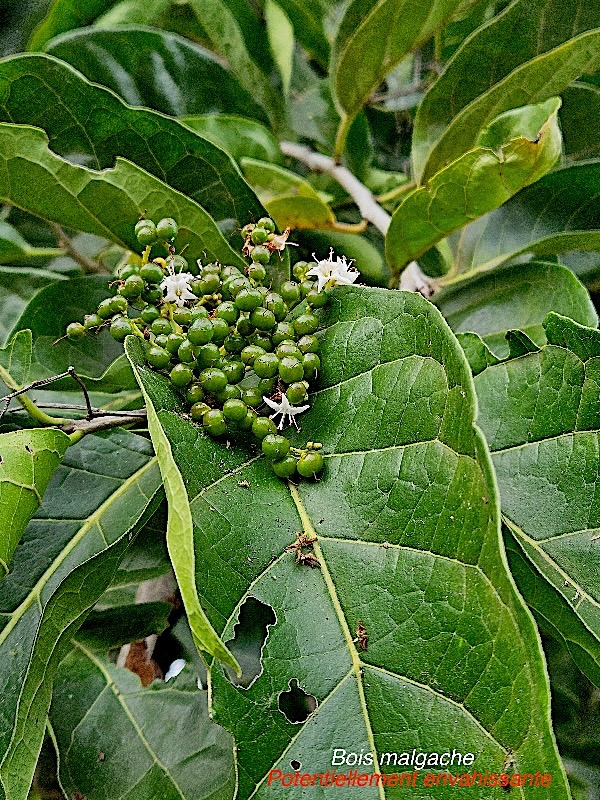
<point>223,337</point>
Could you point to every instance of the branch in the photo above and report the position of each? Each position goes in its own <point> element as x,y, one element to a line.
<point>77,428</point>
<point>367,205</point>
<point>87,264</point>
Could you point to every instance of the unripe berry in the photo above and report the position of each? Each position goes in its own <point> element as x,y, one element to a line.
<point>75,331</point>
<point>167,229</point>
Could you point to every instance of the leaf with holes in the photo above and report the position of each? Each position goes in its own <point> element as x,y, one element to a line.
<point>409,629</point>
<point>524,55</point>
<point>541,416</point>
<point>28,460</point>
<point>517,149</point>
<point>104,488</point>
<point>174,751</point>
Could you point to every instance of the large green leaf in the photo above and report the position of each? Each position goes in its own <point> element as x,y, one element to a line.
<point>156,742</point>
<point>64,15</point>
<point>578,116</point>
<point>408,543</point>
<point>517,149</point>
<point>237,35</point>
<point>28,460</point>
<point>307,18</point>
<point>18,286</point>
<point>525,55</point>
<point>156,69</point>
<point>106,203</point>
<point>515,297</point>
<point>373,37</point>
<point>560,212</point>
<point>89,124</point>
<point>66,558</point>
<point>237,135</point>
<point>540,415</point>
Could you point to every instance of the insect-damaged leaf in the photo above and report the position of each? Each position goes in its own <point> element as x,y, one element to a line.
<point>541,416</point>
<point>409,556</point>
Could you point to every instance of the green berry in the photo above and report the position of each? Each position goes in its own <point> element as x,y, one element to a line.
<point>220,330</point>
<point>105,309</point>
<point>266,386</point>
<point>267,365</point>
<point>275,446</point>
<point>229,392</point>
<point>174,341</point>
<point>133,286</point>
<point>213,379</point>
<point>146,235</point>
<point>199,312</point>
<point>263,426</point>
<point>266,223</point>
<point>181,375</point>
<point>252,397</point>
<point>263,319</point>
<point>185,353</point>
<point>246,423</point>
<point>118,304</point>
<point>128,269</point>
<point>250,353</point>
<point>291,369</point>
<point>283,331</point>
<point>120,327</point>
<point>209,284</point>
<point>161,340</point>
<point>198,410</point>
<point>167,229</point>
<point>214,422</point>
<point>235,410</point>
<point>290,292</point>
<point>275,303</point>
<point>178,263</point>
<point>300,269</point>
<point>288,348</point>
<point>306,323</point>
<point>257,272</point>
<point>92,321</point>
<point>158,357</point>
<point>161,326</point>
<point>244,327</point>
<point>317,299</point>
<point>207,355</point>
<point>310,464</point>
<point>312,364</point>
<point>211,269</point>
<point>247,230</point>
<point>261,339</point>
<point>296,393</point>
<point>261,255</point>
<point>285,467</point>
<point>248,299</point>
<point>152,273</point>
<point>306,287</point>
<point>231,272</point>
<point>228,312</point>
<point>75,331</point>
<point>234,343</point>
<point>308,344</point>
<point>234,371</point>
<point>200,331</point>
<point>182,316</point>
<point>143,223</point>
<point>152,295</point>
<point>259,235</point>
<point>195,393</point>
<point>235,284</point>
<point>149,314</point>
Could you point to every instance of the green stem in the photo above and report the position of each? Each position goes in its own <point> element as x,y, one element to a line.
<point>393,194</point>
<point>342,135</point>
<point>34,412</point>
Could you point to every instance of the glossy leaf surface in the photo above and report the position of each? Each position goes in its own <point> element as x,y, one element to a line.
<point>408,543</point>
<point>66,558</point>
<point>540,414</point>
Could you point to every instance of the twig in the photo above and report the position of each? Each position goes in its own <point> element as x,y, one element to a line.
<point>96,412</point>
<point>367,205</point>
<point>102,423</point>
<point>413,279</point>
<point>88,265</point>
<point>82,386</point>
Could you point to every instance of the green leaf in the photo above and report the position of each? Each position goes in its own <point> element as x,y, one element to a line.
<point>368,260</point>
<point>236,35</point>
<point>518,296</point>
<point>307,18</point>
<point>479,181</point>
<point>28,460</point>
<point>373,37</point>
<point>138,12</point>
<point>156,69</point>
<point>578,115</point>
<point>64,15</point>
<point>88,124</point>
<point>280,35</point>
<point>522,56</point>
<point>540,415</point>
<point>113,627</point>
<point>477,352</point>
<point>238,136</point>
<point>156,742</point>
<point>180,539</point>
<point>557,214</point>
<point>408,543</point>
<point>18,287</point>
<point>15,250</point>
<point>15,358</point>
<point>66,558</point>
<point>106,203</point>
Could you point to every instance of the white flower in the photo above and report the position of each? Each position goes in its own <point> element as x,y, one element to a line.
<point>286,409</point>
<point>176,288</point>
<point>333,271</point>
